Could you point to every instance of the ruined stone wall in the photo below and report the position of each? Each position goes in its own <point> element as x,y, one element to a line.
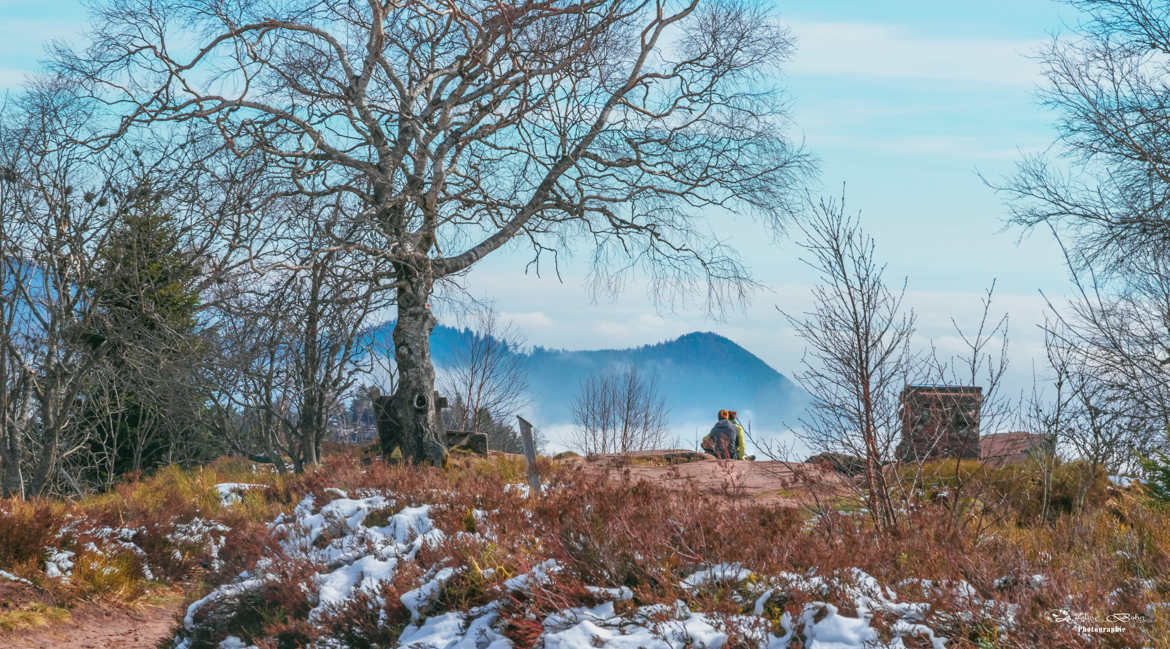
<point>940,421</point>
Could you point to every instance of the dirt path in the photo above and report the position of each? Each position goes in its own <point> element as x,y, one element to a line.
<point>101,627</point>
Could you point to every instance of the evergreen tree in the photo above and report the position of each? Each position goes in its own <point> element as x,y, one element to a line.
<point>146,409</point>
<point>148,279</point>
<point>1157,470</point>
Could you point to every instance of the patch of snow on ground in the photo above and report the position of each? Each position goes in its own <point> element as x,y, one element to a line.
<point>11,577</point>
<point>723,573</point>
<point>472,630</point>
<point>418,599</point>
<point>517,487</point>
<point>229,492</point>
<point>539,574</point>
<point>367,574</point>
<point>232,642</point>
<point>583,628</point>
<point>210,535</point>
<point>59,563</point>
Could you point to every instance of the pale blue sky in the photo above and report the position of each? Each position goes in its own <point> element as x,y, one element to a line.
<point>903,101</point>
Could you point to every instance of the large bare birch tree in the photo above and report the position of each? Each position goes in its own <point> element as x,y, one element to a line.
<point>446,129</point>
<point>1103,189</point>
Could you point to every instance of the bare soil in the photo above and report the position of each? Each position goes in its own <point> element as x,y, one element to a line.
<point>781,484</point>
<point>92,625</point>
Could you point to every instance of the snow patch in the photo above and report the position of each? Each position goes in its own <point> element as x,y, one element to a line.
<point>59,564</point>
<point>229,492</point>
<point>473,630</point>
<point>366,574</point>
<point>724,573</point>
<point>11,577</point>
<point>232,642</point>
<point>418,599</point>
<point>539,574</point>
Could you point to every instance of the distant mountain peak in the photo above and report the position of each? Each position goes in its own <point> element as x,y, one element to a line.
<point>698,373</point>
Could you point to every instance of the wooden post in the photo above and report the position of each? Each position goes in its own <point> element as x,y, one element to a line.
<point>529,455</point>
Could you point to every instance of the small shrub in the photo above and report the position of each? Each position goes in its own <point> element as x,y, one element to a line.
<point>113,574</point>
<point>362,623</point>
<point>26,529</point>
<point>30,615</point>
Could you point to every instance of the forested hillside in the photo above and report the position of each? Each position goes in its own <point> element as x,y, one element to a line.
<point>698,373</point>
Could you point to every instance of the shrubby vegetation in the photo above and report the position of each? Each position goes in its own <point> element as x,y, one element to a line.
<point>612,533</point>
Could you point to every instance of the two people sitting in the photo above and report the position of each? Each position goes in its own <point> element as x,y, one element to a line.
<point>726,439</point>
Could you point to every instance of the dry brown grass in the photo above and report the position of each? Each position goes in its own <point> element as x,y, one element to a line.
<point>1115,557</point>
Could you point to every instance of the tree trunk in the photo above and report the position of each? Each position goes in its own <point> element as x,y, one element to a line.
<point>46,463</point>
<point>15,416</point>
<point>308,423</point>
<point>11,454</point>
<point>413,421</point>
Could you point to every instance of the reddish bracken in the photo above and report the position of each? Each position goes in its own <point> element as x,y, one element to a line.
<point>606,531</point>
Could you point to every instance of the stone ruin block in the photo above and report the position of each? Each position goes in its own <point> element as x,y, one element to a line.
<point>940,421</point>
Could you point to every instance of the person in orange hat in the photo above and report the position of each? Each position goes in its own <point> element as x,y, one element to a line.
<point>722,440</point>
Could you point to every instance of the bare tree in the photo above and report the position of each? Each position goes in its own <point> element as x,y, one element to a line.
<point>1109,87</point>
<point>1103,424</point>
<point>487,372</point>
<point>294,341</point>
<point>1108,346</point>
<point>446,130</point>
<point>1047,412</point>
<point>982,360</point>
<point>1099,431</point>
<point>857,358</point>
<point>52,229</point>
<point>619,411</point>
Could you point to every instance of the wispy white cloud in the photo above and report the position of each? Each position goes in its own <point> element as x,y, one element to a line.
<point>31,35</point>
<point>11,78</point>
<point>23,41</point>
<point>965,146</point>
<point>875,51</point>
<point>528,319</point>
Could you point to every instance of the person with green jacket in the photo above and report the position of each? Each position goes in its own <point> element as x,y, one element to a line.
<point>740,440</point>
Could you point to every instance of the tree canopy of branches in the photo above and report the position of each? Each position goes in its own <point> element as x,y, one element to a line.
<point>619,411</point>
<point>1108,197</point>
<point>442,131</point>
<point>293,340</point>
<point>1108,87</point>
<point>70,285</point>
